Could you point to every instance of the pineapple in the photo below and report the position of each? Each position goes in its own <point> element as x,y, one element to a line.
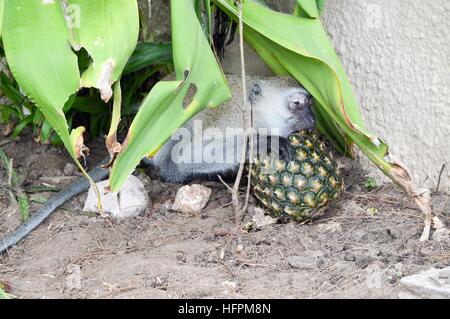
<point>302,188</point>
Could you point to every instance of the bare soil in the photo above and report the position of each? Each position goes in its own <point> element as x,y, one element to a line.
<point>360,248</point>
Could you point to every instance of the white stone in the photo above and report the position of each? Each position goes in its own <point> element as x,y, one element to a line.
<point>130,201</point>
<point>430,284</point>
<point>191,199</point>
<point>260,219</point>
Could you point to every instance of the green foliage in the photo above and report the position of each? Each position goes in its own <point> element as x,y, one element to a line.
<point>370,183</point>
<point>2,7</point>
<point>148,60</point>
<point>14,185</point>
<point>24,205</point>
<point>149,54</point>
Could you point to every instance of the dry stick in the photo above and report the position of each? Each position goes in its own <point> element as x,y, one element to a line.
<point>10,172</point>
<point>439,179</point>
<point>249,125</point>
<point>247,121</point>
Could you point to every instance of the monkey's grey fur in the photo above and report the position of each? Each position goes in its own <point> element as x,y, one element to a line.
<point>278,104</point>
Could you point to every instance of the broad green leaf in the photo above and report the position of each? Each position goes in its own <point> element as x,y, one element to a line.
<point>162,111</point>
<point>320,5</point>
<point>108,30</point>
<point>308,8</point>
<point>40,58</point>
<point>2,6</point>
<point>300,47</point>
<point>203,11</point>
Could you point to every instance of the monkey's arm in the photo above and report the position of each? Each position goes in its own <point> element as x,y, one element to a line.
<point>79,186</point>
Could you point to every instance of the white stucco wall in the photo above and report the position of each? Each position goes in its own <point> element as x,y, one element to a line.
<point>397,56</point>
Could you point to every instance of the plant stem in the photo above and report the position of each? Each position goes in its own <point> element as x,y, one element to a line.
<point>247,122</point>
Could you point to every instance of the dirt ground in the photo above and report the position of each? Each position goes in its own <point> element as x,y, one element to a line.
<point>360,248</point>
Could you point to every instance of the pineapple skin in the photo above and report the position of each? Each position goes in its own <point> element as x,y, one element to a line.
<point>301,189</point>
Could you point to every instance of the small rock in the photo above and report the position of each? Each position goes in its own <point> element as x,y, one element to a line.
<point>191,199</point>
<point>260,219</point>
<point>311,260</point>
<point>441,235</point>
<point>430,284</point>
<point>130,201</point>
<point>70,169</point>
<point>73,277</point>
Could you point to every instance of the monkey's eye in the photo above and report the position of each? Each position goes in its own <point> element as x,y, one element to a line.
<point>298,104</point>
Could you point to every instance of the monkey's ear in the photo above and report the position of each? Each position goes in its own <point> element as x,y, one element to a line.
<point>255,92</point>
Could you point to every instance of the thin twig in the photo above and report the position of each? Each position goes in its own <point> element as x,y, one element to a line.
<point>439,179</point>
<point>10,172</point>
<point>225,184</point>
<point>235,193</point>
<point>248,135</point>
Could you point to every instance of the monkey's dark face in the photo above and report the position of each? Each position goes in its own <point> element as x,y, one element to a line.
<point>299,104</point>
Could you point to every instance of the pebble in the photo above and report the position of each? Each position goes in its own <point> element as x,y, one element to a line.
<point>191,199</point>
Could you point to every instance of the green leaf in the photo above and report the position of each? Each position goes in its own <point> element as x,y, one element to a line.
<point>24,205</point>
<point>40,58</point>
<point>9,90</point>
<point>92,104</point>
<point>108,30</point>
<point>21,126</point>
<point>46,131</point>
<point>6,161</point>
<point>320,5</point>
<point>148,54</point>
<point>2,7</point>
<point>370,183</point>
<point>162,111</point>
<point>203,11</point>
<point>308,8</point>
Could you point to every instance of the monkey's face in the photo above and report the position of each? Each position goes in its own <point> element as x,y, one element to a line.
<point>299,106</point>
<point>285,108</point>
